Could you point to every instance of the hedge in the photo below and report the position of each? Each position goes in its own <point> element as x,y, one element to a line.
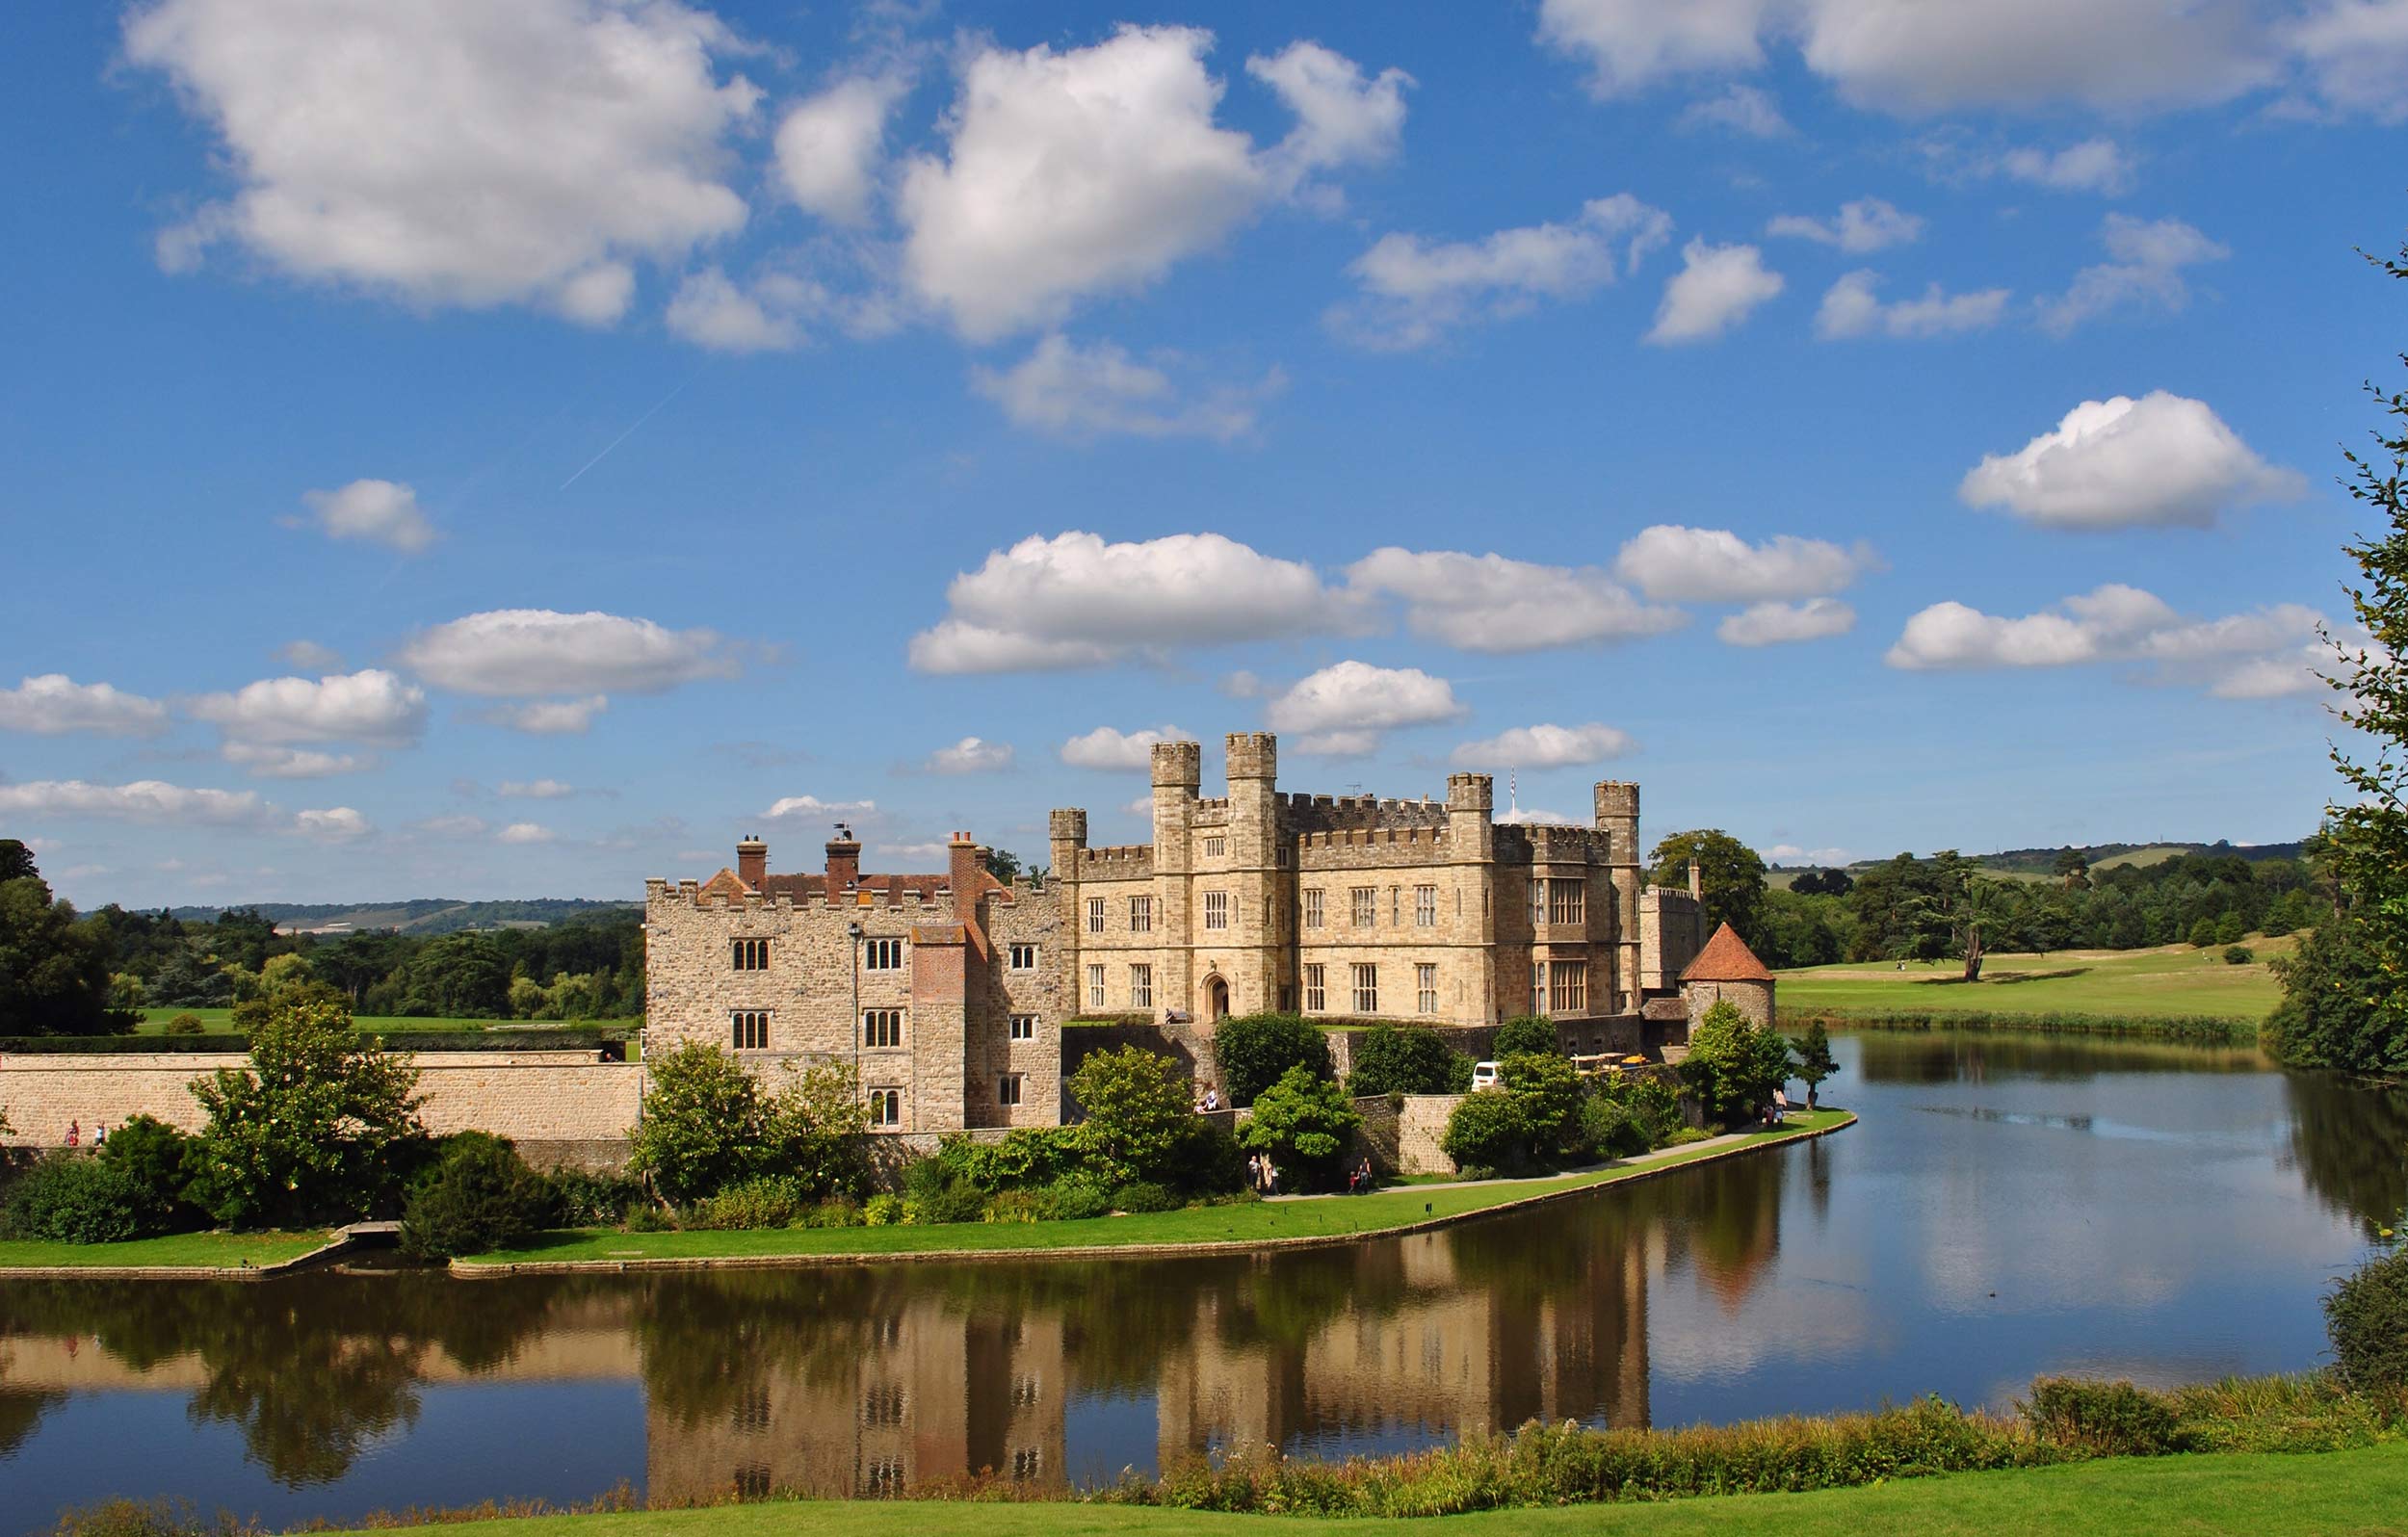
<point>500,1040</point>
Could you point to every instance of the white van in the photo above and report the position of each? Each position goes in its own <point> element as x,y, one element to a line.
<point>1484,1076</point>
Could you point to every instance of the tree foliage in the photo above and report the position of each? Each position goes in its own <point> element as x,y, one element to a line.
<point>1303,1124</point>
<point>1525,1035</point>
<point>1140,1119</point>
<point>1813,1062</point>
<point>709,1123</point>
<point>478,1195</point>
<point>1406,1059</point>
<point>1733,1064</point>
<point>1731,876</point>
<point>1254,1051</point>
<point>1531,1119</point>
<point>54,970</point>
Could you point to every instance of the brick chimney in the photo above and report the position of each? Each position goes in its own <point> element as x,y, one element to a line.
<point>843,863</point>
<point>1696,884</point>
<point>963,861</point>
<point>752,861</point>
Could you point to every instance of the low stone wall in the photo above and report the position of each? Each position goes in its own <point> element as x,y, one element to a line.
<point>1421,1121</point>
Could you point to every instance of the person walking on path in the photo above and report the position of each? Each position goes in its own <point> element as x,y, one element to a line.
<point>74,1133</point>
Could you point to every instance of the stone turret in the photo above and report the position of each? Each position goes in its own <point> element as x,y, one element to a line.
<point>1617,817</point>
<point>1067,836</point>
<point>1178,770</point>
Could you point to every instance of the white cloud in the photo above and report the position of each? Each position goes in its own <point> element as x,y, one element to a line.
<point>829,147</point>
<point>1534,817</point>
<point>336,825</point>
<point>54,704</point>
<point>2093,165</point>
<point>1075,600</point>
<point>1412,293</point>
<point>1547,746</point>
<point>1669,562</point>
<point>1773,624</point>
<point>548,718</point>
<point>711,311</point>
<point>2356,52</point>
<point>455,152</point>
<point>291,763</point>
<point>971,755</point>
<point>813,806</point>
<point>309,656</point>
<point>2264,653</point>
<point>1716,289</point>
<point>1341,710</point>
<point>1849,309</point>
<point>1096,170</point>
<point>2158,461</point>
<point>379,512</point>
<point>932,851</point>
<point>1489,603</point>
<point>1741,109</point>
<point>1791,853</point>
<point>370,706</point>
<point>145,801</point>
<point>2145,269</point>
<point>1869,223</point>
<point>1629,42</point>
<point>524,652</point>
<point>535,790</point>
<point>1080,392</point>
<point>1108,749</point>
<point>524,832</point>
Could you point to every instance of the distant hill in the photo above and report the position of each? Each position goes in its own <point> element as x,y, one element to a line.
<point>423,915</point>
<point>2040,864</point>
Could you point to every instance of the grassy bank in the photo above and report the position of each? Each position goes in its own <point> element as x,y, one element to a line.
<point>1249,1223</point>
<point>195,1250</point>
<point>2172,983</point>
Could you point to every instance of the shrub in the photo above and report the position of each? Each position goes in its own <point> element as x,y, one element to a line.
<point>2102,1419</point>
<point>1406,1059</point>
<point>186,1024</point>
<point>837,1212</point>
<point>1525,1035</point>
<point>1076,1199</point>
<point>1734,1065</point>
<point>1141,1123</point>
<point>2238,954</point>
<point>1016,1206</point>
<point>1255,1051</point>
<point>584,1200</point>
<point>2366,1316</point>
<point>69,1198</point>
<point>1532,1118</point>
<point>1030,1156</point>
<point>2203,934</point>
<point>1145,1195</point>
<point>709,1124</point>
<point>1485,1131</point>
<point>764,1201</point>
<point>884,1210</point>
<point>1610,1130</point>
<point>1687,1135</point>
<point>647,1218</point>
<point>1303,1125</point>
<point>478,1196</point>
<point>154,1156</point>
<point>1652,1105</point>
<point>936,1197</point>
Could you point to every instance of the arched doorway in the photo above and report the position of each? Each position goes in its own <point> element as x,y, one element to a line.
<point>1216,999</point>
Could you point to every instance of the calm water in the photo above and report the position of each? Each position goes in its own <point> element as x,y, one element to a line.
<point>2008,1207</point>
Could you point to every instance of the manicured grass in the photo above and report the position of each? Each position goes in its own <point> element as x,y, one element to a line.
<point>213,1250</point>
<point>221,1022</point>
<point>2169,982</point>
<point>2341,1494</point>
<point>1252,1222</point>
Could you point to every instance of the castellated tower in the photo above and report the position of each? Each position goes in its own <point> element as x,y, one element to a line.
<point>1254,955</point>
<point>1472,847</point>
<point>1067,827</point>
<point>1178,770</point>
<point>1617,817</point>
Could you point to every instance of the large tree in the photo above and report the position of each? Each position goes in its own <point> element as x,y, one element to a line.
<point>54,967</point>
<point>1731,873</point>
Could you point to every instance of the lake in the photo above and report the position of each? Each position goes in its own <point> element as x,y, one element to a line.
<point>2009,1205</point>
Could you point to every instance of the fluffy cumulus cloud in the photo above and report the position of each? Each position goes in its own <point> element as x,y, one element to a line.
<point>150,801</point>
<point>1089,171</point>
<point>1741,109</point>
<point>373,706</point>
<point>1069,391</point>
<point>549,717</point>
<point>1076,600</point>
<point>1547,746</point>
<point>336,825</point>
<point>54,704</point>
<point>1777,624</point>
<point>535,790</point>
<point>2356,52</point>
<point>309,656</point>
<point>268,762</point>
<point>522,653</point>
<point>382,513</point>
<point>829,146</point>
<point>524,832</point>
<point>1343,709</point>
<point>2093,165</point>
<point>2156,461</point>
<point>2144,270</point>
<point>1714,565</point>
<point>712,310</point>
<point>1850,309</point>
<point>1489,603</point>
<point>1867,224</point>
<point>1412,291</point>
<point>1109,749</point>
<point>1628,44</point>
<point>2260,654</point>
<point>454,151</point>
<point>813,806</point>
<point>1716,288</point>
<point>971,755</point>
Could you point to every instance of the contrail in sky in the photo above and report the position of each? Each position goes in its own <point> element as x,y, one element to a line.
<point>631,431</point>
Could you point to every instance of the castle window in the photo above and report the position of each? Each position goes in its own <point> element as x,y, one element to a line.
<point>752,1482</point>
<point>886,1108</point>
<point>1216,909</point>
<point>750,1415</point>
<point>1425,907</point>
<point>1216,846</point>
<point>1425,983</point>
<point>882,1406</point>
<point>1570,982</point>
<point>1287,999</point>
<point>882,955</point>
<point>1027,1393</point>
<point>1366,906</point>
<point>1007,1089</point>
<point>1316,998</point>
<point>1396,906</point>
<point>1024,1027</point>
<point>1027,1462</point>
<point>882,1026</point>
<point>882,1478</point>
<point>1024,957</point>
<point>1141,986</point>
<point>1366,989</point>
<point>1538,987</point>
<point>1279,856</point>
<point>1140,915</point>
<point>1539,900</point>
<point>1095,915</point>
<point>1095,987</point>
<point>1567,901</point>
<point>751,955</point>
<point>1312,908</point>
<point>750,1030</point>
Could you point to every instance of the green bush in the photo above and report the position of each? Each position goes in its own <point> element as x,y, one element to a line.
<point>1525,1035</point>
<point>1485,1131</point>
<point>478,1196</point>
<point>1733,1064</point>
<point>1028,1158</point>
<point>1017,1206</point>
<point>1406,1059</point>
<point>155,1156</point>
<point>1145,1195</point>
<point>647,1218</point>
<point>1652,1105</point>
<point>836,1211</point>
<point>1610,1130</point>
<point>1140,1122</point>
<point>1076,1199</point>
<point>764,1201</point>
<point>2203,934</point>
<point>70,1198</point>
<point>2238,954</point>
<point>1255,1051</point>
<point>2366,1316</point>
<point>2102,1419</point>
<point>954,1202</point>
<point>709,1123</point>
<point>1531,1119</point>
<point>584,1200</point>
<point>885,1210</point>
<point>185,1024</point>
<point>1303,1125</point>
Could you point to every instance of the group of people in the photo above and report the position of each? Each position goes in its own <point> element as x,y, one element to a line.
<point>1777,1109</point>
<point>1209,1101</point>
<point>75,1134</point>
<point>1262,1175</point>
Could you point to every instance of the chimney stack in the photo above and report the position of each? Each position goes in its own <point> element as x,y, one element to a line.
<point>1696,886</point>
<point>752,861</point>
<point>843,863</point>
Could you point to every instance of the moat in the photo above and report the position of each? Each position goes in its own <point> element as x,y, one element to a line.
<point>2008,1206</point>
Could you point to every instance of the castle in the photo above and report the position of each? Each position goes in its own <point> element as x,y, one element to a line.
<point>948,993</point>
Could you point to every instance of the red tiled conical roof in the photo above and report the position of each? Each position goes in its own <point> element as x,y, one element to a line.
<point>1726,958</point>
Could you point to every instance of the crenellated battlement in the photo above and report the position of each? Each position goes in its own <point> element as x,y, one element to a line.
<point>1303,814</point>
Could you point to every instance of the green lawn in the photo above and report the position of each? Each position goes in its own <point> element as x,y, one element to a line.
<point>1253,1222</point>
<point>225,1250</point>
<point>2341,1494</point>
<point>221,1022</point>
<point>2169,982</point>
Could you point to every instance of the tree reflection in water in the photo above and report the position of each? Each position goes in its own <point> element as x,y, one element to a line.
<point>2349,1143</point>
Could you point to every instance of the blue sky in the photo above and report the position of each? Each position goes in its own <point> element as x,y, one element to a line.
<point>514,450</point>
